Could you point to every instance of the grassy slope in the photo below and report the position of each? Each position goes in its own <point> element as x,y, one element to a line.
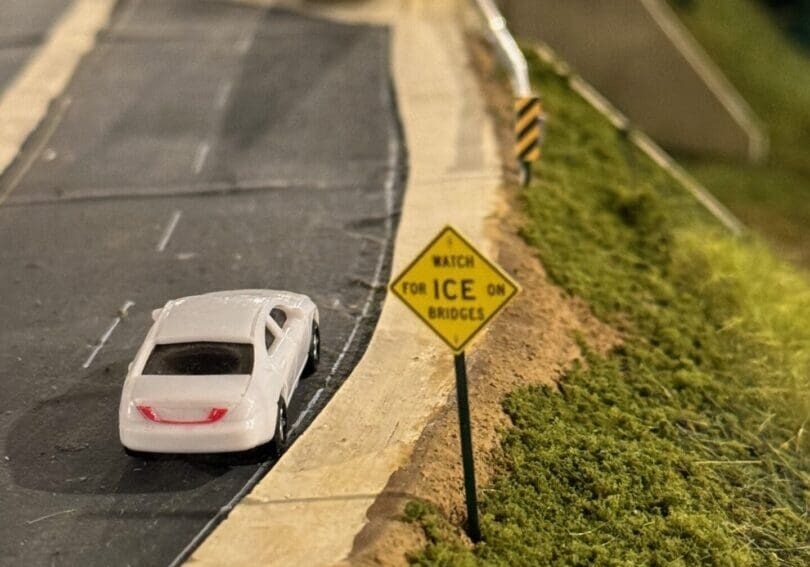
<point>773,74</point>
<point>686,446</point>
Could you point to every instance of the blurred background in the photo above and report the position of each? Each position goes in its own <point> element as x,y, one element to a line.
<point>724,85</point>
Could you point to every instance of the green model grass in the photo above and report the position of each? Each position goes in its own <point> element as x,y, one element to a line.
<point>685,446</point>
<point>773,74</point>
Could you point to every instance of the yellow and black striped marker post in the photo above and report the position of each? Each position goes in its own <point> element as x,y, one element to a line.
<point>528,128</point>
<point>528,134</point>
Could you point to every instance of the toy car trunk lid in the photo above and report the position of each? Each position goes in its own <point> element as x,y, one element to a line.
<point>190,391</point>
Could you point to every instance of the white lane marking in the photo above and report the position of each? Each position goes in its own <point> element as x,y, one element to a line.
<point>223,94</point>
<point>242,46</point>
<point>388,193</point>
<point>221,513</point>
<point>29,522</point>
<point>106,336</point>
<point>200,157</point>
<point>245,42</point>
<point>204,148</point>
<point>167,233</point>
<point>307,410</point>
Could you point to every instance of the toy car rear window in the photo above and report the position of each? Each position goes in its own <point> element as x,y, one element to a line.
<point>200,359</point>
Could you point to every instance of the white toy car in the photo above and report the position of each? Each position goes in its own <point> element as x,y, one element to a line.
<point>216,373</point>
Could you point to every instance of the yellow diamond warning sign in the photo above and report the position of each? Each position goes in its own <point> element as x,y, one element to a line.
<point>453,288</point>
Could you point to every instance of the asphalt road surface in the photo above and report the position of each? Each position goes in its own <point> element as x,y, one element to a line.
<point>201,146</point>
<point>24,25</point>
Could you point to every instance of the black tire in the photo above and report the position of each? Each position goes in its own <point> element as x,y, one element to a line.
<point>136,454</point>
<point>314,355</point>
<point>281,438</point>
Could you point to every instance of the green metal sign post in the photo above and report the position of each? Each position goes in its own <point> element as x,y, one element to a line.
<point>471,497</point>
<point>456,291</point>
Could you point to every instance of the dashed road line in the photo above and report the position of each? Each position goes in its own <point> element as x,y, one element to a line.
<point>106,336</point>
<point>48,516</point>
<point>223,94</point>
<point>244,43</point>
<point>167,233</point>
<point>202,154</point>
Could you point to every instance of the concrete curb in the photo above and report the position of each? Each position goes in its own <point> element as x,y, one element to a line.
<point>311,505</point>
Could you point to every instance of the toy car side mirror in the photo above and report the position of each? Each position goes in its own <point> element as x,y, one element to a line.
<point>156,313</point>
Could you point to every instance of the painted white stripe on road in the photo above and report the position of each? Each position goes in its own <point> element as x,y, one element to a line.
<point>108,333</point>
<point>221,513</point>
<point>48,516</point>
<point>202,155</point>
<point>244,43</point>
<point>167,234</point>
<point>223,94</point>
<point>307,410</point>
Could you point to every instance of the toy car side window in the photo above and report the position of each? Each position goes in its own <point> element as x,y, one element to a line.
<point>278,316</point>
<point>272,332</point>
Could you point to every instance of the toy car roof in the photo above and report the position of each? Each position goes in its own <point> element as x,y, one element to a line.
<point>223,316</point>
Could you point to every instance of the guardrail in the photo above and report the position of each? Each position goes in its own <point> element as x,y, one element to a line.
<point>511,55</point>
<point>529,115</point>
<point>640,140</point>
<point>530,118</point>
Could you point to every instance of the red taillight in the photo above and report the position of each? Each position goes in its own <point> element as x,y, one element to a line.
<point>214,415</point>
<point>147,412</point>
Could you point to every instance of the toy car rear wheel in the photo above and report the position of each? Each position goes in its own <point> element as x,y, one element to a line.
<point>314,355</point>
<point>136,454</point>
<point>280,440</point>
